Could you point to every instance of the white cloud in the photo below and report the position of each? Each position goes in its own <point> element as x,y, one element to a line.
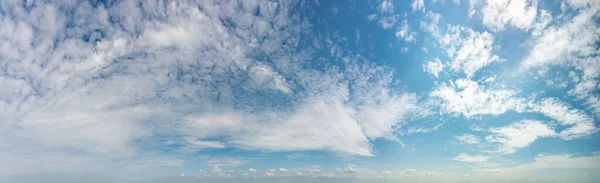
<point>404,32</point>
<point>252,170</point>
<point>206,144</point>
<point>472,4</point>
<point>498,14</point>
<point>579,124</point>
<point>387,7</point>
<point>470,159</point>
<point>468,139</point>
<point>433,67</point>
<point>269,174</point>
<point>264,77</point>
<point>418,5</point>
<point>350,170</point>
<point>569,43</point>
<point>144,72</point>
<point>572,39</point>
<point>468,98</point>
<point>431,23</point>
<point>283,170</point>
<point>372,17</point>
<point>404,49</point>
<point>468,49</point>
<point>519,134</point>
<point>388,22</point>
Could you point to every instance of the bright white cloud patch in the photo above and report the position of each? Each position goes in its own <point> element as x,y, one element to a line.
<point>499,14</point>
<point>467,98</point>
<point>433,67</point>
<point>519,134</point>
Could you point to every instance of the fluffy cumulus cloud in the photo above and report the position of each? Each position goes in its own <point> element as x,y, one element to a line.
<point>433,67</point>
<point>387,7</point>
<point>417,5</point>
<point>107,79</point>
<point>521,14</point>
<point>404,32</point>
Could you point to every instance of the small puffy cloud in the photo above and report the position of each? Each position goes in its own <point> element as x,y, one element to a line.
<point>433,67</point>
<point>265,77</point>
<point>404,32</point>
<point>350,169</point>
<point>518,135</point>
<point>315,169</point>
<point>468,139</point>
<point>470,159</point>
<point>404,49</point>
<point>387,7</point>
<point>269,174</point>
<point>372,17</point>
<point>252,170</point>
<point>388,22</point>
<point>298,173</point>
<point>430,23</point>
<point>418,5</point>
<point>283,170</point>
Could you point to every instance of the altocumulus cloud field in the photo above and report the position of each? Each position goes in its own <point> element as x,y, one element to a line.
<point>299,91</point>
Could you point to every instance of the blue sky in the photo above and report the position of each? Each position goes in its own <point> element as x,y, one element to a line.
<point>297,91</point>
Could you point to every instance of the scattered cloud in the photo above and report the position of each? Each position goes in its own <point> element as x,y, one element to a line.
<point>404,33</point>
<point>470,159</point>
<point>418,5</point>
<point>387,7</point>
<point>580,123</point>
<point>467,98</point>
<point>433,67</point>
<point>469,50</point>
<point>518,135</point>
<point>468,139</point>
<point>497,15</point>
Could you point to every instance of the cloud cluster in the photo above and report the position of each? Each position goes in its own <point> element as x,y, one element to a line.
<point>110,80</point>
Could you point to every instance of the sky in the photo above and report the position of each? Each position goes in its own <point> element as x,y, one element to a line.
<point>300,91</point>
